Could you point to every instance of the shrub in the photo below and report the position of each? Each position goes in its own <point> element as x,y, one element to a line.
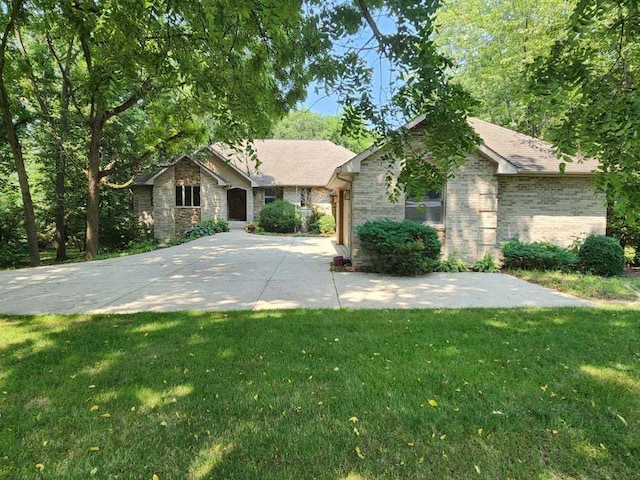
<point>402,248</point>
<point>537,256</point>
<point>486,264</point>
<point>312,221</point>
<point>279,216</point>
<point>452,264</point>
<point>141,245</point>
<point>198,231</point>
<point>602,255</point>
<point>218,225</point>
<point>630,255</point>
<point>327,224</point>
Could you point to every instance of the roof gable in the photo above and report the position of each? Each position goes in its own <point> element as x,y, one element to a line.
<point>148,178</point>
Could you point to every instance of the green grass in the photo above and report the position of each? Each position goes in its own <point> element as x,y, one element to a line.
<point>535,394</point>
<point>585,286</point>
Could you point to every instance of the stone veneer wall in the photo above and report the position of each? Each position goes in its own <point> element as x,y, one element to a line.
<point>213,199</point>
<point>555,209</point>
<point>164,200</point>
<point>258,202</point>
<point>186,173</point>
<point>143,207</point>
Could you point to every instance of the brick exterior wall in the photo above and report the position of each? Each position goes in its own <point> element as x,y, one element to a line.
<point>470,203</point>
<point>555,209</point>
<point>321,199</point>
<point>369,201</point>
<point>483,209</point>
<point>291,195</point>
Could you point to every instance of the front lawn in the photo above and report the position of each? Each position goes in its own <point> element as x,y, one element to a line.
<point>541,394</point>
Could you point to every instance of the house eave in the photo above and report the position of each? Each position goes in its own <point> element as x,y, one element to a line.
<point>504,166</point>
<point>547,173</point>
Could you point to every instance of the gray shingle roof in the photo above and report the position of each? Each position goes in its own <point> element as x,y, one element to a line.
<point>290,162</point>
<point>527,154</point>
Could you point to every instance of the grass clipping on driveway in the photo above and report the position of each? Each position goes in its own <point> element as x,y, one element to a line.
<point>322,394</point>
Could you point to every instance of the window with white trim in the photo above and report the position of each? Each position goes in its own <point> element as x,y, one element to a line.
<point>187,195</point>
<point>428,209</point>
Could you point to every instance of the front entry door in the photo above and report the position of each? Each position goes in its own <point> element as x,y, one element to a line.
<point>237,205</point>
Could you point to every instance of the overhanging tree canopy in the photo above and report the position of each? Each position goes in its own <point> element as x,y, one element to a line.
<point>145,77</point>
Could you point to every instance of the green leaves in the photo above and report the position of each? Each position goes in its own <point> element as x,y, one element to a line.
<point>596,68</point>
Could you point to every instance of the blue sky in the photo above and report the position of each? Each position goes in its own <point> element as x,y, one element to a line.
<point>325,104</point>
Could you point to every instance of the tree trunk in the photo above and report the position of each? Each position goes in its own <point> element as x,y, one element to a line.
<point>61,233</point>
<point>93,190</point>
<point>29,215</point>
<point>14,142</point>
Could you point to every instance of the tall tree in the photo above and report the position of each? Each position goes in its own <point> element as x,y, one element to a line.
<point>155,69</point>
<point>492,45</point>
<point>307,125</point>
<point>597,66</point>
<point>418,84</point>
<point>11,14</point>
<point>136,78</point>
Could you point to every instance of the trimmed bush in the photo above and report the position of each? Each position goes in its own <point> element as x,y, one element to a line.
<point>602,255</point>
<point>279,217</point>
<point>400,248</point>
<point>537,256</point>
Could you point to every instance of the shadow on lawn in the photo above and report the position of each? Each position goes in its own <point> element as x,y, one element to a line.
<point>293,394</point>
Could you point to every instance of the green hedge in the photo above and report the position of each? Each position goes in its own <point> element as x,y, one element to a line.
<point>279,217</point>
<point>401,248</point>
<point>602,255</point>
<point>537,256</point>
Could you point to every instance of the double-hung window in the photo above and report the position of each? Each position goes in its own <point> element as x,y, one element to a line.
<point>187,195</point>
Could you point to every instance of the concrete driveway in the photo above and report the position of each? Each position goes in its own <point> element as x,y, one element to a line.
<point>236,270</point>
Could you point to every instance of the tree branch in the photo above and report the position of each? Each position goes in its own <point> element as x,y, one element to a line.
<point>372,23</point>
<point>64,70</point>
<point>136,163</point>
<point>128,103</point>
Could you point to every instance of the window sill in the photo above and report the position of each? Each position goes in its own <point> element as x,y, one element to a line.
<point>182,206</point>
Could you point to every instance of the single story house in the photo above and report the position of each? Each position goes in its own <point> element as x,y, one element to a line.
<point>218,182</point>
<point>511,186</point>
